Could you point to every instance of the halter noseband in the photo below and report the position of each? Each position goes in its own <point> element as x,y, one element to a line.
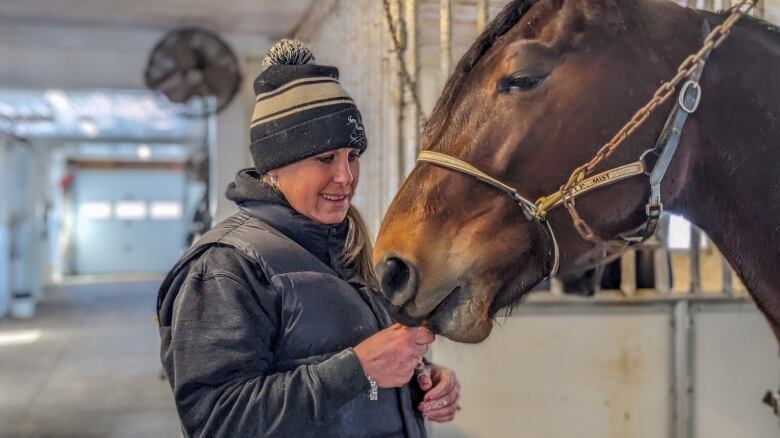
<point>530,209</point>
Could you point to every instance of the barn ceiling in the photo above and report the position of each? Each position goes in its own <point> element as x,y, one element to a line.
<point>272,18</point>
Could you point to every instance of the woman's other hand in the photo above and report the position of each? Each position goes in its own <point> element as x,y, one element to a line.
<point>442,393</point>
<point>391,355</point>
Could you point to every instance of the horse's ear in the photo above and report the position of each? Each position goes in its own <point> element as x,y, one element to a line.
<point>599,12</point>
<point>597,6</point>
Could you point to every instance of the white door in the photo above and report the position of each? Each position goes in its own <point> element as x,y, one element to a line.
<point>127,221</point>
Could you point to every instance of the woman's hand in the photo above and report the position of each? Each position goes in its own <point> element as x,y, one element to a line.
<point>442,392</point>
<point>390,356</point>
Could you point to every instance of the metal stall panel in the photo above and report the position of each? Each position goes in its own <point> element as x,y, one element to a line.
<point>735,363</point>
<point>592,372</point>
<point>5,248</point>
<point>24,204</point>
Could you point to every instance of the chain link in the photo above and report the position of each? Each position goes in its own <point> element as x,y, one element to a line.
<point>405,74</point>
<point>662,94</point>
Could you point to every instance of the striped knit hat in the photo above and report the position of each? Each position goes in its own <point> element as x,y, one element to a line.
<point>301,109</point>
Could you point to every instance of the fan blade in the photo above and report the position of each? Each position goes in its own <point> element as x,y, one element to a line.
<point>174,88</point>
<point>221,82</point>
<point>183,53</point>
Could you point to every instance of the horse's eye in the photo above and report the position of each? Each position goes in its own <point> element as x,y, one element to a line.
<point>520,82</point>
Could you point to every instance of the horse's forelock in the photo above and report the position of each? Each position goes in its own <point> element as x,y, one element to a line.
<point>503,23</point>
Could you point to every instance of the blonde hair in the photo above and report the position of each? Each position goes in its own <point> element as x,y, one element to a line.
<point>358,247</point>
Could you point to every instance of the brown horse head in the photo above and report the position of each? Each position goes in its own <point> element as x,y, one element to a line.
<point>545,86</point>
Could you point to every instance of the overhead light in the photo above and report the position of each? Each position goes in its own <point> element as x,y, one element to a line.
<point>6,110</point>
<point>144,152</point>
<point>58,99</point>
<point>88,127</point>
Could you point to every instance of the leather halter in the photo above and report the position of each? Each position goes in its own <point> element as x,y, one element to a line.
<point>653,162</point>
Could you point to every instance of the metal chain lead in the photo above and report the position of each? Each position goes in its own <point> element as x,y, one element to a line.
<point>407,77</point>
<point>662,94</point>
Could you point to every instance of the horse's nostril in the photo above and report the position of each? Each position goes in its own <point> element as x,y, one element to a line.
<point>397,280</point>
<point>396,275</point>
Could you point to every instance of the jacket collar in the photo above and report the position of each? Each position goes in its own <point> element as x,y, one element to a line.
<point>325,241</point>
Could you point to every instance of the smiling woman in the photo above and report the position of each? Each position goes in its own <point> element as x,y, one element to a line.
<point>271,324</point>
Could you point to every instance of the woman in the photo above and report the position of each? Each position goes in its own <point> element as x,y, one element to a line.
<point>270,324</point>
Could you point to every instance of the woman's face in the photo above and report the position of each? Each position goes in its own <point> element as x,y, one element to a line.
<point>321,187</point>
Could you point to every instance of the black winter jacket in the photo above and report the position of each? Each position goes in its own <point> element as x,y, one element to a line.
<point>257,322</point>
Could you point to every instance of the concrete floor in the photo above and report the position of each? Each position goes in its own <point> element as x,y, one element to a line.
<point>92,372</point>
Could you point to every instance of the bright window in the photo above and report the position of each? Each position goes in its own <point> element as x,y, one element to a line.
<point>680,233</point>
<point>95,211</point>
<point>130,210</point>
<point>165,210</point>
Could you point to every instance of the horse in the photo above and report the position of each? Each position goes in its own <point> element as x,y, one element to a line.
<point>543,87</point>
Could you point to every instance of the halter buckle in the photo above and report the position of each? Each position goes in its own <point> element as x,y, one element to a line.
<point>696,88</point>
<point>527,208</point>
<point>653,210</point>
<point>649,158</point>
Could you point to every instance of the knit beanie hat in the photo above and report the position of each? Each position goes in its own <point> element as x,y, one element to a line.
<point>301,109</point>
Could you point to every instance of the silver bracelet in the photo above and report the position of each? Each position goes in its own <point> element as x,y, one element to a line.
<point>373,392</point>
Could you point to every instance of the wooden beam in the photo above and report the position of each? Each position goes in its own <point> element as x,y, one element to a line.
<point>661,256</point>
<point>126,165</point>
<point>695,260</point>
<point>445,38</point>
<point>760,9</point>
<point>483,15</point>
<point>628,273</point>
<point>412,59</point>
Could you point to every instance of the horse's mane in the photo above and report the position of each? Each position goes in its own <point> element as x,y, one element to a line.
<point>504,21</point>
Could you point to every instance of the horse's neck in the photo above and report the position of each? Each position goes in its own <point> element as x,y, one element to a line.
<point>732,189</point>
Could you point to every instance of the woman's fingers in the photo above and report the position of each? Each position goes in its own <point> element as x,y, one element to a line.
<point>442,415</point>
<point>423,336</point>
<point>424,379</point>
<point>445,385</point>
<point>448,400</point>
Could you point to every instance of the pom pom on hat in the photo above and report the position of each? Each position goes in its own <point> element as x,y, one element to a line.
<point>289,52</point>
